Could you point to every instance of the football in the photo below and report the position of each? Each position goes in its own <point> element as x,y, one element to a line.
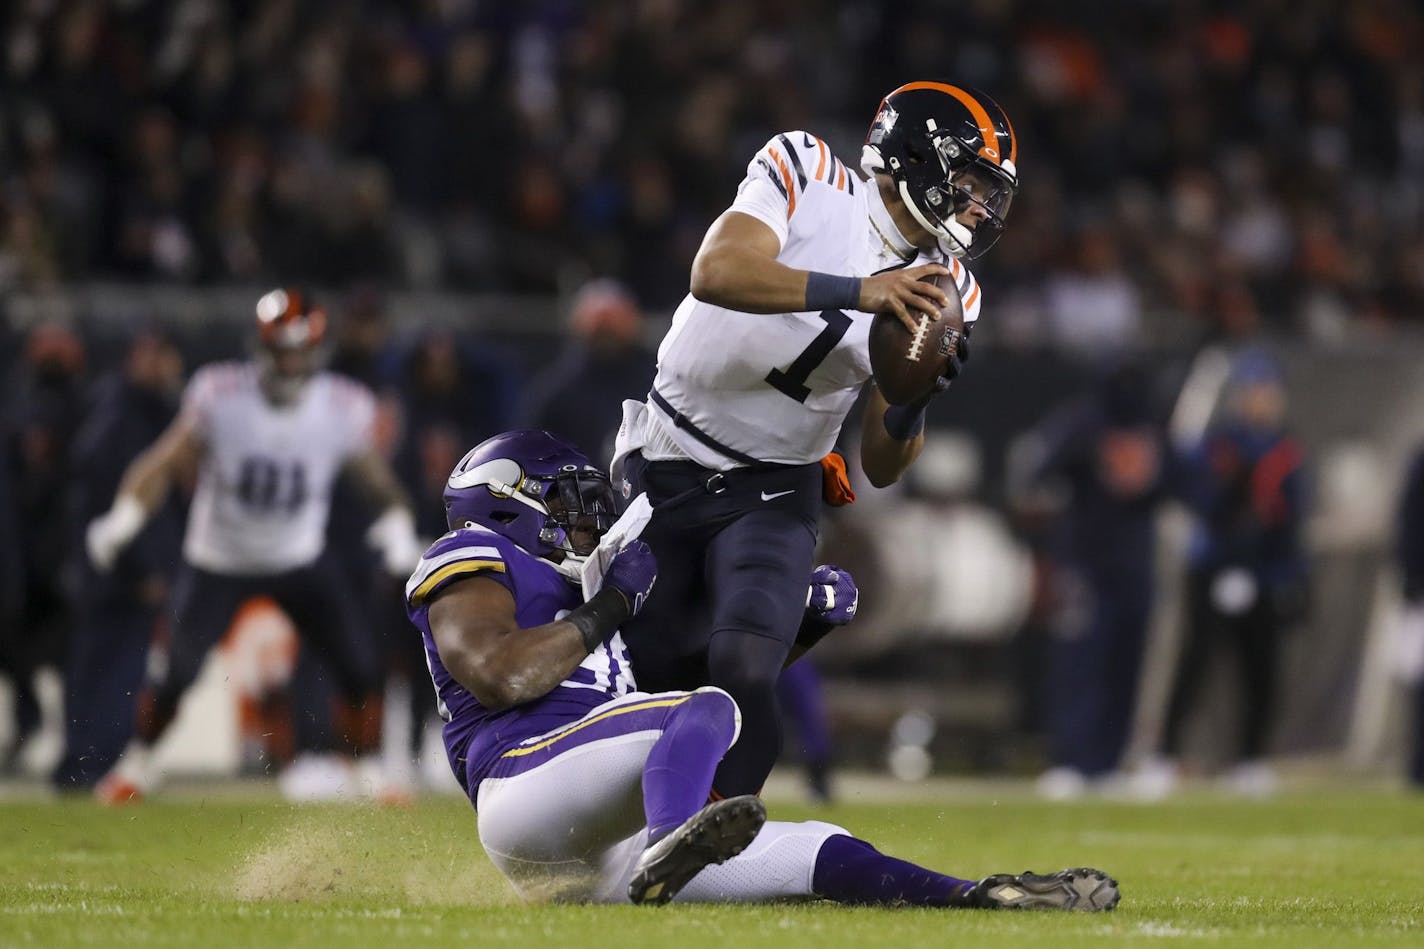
<point>905,364</point>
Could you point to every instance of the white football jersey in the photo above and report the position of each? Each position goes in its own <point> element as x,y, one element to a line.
<point>735,386</point>
<point>264,487</point>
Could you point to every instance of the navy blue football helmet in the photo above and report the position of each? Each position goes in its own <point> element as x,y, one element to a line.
<point>932,138</point>
<point>533,488</point>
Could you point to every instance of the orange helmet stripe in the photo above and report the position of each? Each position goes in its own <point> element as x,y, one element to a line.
<point>980,114</point>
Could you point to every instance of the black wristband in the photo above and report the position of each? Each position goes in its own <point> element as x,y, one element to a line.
<point>828,292</point>
<point>904,422</point>
<point>600,617</point>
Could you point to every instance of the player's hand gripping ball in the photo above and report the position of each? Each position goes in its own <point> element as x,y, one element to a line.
<point>911,366</point>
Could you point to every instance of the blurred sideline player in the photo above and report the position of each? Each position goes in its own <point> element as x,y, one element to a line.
<point>269,437</point>
<point>763,362</point>
<point>586,788</point>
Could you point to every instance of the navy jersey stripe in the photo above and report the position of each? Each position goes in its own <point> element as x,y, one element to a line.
<point>775,178</point>
<point>795,161</point>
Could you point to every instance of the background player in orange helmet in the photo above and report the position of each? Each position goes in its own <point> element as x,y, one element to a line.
<point>269,436</point>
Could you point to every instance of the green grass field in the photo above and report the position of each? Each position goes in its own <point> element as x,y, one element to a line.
<point>1328,867</point>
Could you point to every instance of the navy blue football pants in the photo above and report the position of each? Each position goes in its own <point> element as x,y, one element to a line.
<point>103,670</point>
<point>734,560</point>
<point>318,600</point>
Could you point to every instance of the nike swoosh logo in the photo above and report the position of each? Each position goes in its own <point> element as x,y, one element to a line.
<point>779,494</point>
<point>810,142</point>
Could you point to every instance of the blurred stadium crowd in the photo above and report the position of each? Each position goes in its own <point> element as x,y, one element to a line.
<point>1239,163</point>
<point>1193,171</point>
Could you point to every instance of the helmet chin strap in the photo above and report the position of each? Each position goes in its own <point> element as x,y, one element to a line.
<point>954,238</point>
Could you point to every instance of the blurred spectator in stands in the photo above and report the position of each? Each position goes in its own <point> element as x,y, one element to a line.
<point>580,396</point>
<point>45,408</point>
<point>12,590</point>
<point>363,349</point>
<point>1247,578</point>
<point>1093,306</point>
<point>453,396</point>
<point>154,231</point>
<point>571,141</point>
<point>1409,554</point>
<point>115,612</point>
<point>1106,460</point>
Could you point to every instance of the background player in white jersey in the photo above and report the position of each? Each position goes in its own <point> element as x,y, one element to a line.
<point>590,791</point>
<point>268,438</point>
<point>764,360</point>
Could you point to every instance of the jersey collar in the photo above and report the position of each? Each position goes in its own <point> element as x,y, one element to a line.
<point>883,226</point>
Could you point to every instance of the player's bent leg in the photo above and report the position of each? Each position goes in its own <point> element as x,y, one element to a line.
<point>779,864</point>
<point>557,810</point>
<point>201,609</point>
<point>747,666</point>
<point>758,609</point>
<point>547,829</point>
<point>678,774</point>
<point>816,860</point>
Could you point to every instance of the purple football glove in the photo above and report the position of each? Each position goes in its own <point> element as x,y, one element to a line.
<point>833,596</point>
<point>632,572</point>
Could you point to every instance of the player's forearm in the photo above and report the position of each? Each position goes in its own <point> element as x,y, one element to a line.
<point>527,664</point>
<point>147,480</point>
<point>511,666</point>
<point>883,457</point>
<point>375,480</point>
<point>749,282</point>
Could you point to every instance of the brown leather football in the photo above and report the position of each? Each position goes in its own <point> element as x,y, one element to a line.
<point>906,365</point>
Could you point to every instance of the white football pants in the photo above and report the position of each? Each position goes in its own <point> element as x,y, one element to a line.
<point>572,828</point>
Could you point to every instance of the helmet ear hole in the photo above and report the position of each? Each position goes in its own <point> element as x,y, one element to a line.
<point>504,517</point>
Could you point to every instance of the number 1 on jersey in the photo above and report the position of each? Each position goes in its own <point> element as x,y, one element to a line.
<point>792,382</point>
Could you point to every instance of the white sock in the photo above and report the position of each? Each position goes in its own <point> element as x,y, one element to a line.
<point>778,865</point>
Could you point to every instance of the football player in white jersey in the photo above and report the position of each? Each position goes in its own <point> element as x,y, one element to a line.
<point>763,362</point>
<point>268,438</point>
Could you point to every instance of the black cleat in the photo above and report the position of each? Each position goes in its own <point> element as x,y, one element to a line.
<point>718,832</point>
<point>1081,888</point>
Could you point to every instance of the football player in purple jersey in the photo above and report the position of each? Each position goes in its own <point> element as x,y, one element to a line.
<point>586,788</point>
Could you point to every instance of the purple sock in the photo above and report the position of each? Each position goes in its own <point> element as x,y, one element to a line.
<point>851,871</point>
<point>678,774</point>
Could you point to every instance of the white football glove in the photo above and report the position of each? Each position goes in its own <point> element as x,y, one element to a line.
<point>393,534</point>
<point>109,533</point>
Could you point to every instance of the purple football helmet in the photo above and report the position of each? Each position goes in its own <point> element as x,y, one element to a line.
<point>531,487</point>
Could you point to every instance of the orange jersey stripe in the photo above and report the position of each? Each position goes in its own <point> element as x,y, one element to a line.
<point>973,295</point>
<point>821,146</point>
<point>840,178</point>
<point>785,177</point>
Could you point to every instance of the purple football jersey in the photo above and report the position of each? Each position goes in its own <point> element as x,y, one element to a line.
<point>474,735</point>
